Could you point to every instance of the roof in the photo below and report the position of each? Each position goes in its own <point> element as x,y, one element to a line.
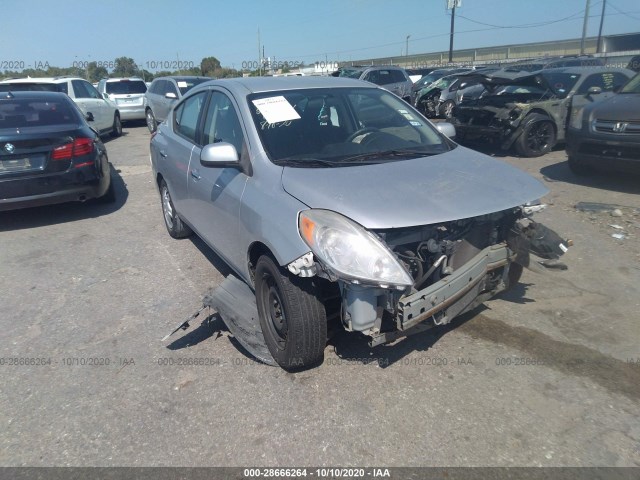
<point>37,94</point>
<point>183,77</point>
<point>39,80</point>
<point>266,84</point>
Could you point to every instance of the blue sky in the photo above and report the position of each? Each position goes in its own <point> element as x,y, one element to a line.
<point>63,31</point>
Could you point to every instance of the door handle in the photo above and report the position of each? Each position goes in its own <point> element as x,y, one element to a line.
<point>195,174</point>
<point>163,154</point>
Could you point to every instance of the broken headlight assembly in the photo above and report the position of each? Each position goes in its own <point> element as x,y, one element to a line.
<point>349,251</point>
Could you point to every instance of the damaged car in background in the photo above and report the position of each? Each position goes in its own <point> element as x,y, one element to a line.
<point>530,112</point>
<point>335,202</point>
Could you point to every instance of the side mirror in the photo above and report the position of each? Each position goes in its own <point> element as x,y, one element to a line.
<point>89,117</point>
<point>171,96</point>
<point>594,91</point>
<point>105,95</point>
<point>219,155</point>
<point>446,129</point>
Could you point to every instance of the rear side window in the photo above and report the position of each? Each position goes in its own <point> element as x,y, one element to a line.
<point>36,113</point>
<point>186,116</point>
<point>126,87</point>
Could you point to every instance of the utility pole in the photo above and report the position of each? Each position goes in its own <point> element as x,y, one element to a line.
<point>259,57</point>
<point>598,46</point>
<point>406,50</point>
<point>452,5</point>
<point>584,26</point>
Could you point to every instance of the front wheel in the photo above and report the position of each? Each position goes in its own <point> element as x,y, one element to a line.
<point>447,109</point>
<point>292,317</point>
<point>538,136</point>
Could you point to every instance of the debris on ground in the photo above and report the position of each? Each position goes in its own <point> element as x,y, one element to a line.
<point>616,212</point>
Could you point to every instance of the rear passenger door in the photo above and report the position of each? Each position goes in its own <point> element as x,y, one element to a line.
<point>177,152</point>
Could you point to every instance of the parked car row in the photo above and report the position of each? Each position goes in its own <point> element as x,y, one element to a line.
<point>385,247</point>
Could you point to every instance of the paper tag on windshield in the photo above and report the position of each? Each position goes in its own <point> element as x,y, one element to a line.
<point>182,85</point>
<point>276,109</point>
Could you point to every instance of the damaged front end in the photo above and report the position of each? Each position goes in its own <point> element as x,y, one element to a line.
<point>432,274</point>
<point>497,121</point>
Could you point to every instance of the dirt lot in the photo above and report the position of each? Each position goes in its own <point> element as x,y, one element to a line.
<point>546,375</point>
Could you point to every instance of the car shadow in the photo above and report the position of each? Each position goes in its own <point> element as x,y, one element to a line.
<point>215,260</point>
<point>65,212</point>
<point>615,181</point>
<point>350,347</point>
<point>213,325</point>
<point>108,138</point>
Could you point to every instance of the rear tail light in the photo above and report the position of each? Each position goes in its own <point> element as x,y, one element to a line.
<point>80,146</point>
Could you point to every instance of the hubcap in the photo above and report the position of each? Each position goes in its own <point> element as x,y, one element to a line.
<point>539,137</point>
<point>274,312</point>
<point>167,210</point>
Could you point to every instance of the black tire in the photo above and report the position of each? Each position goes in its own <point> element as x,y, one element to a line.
<point>538,136</point>
<point>152,125</point>
<point>292,317</point>
<point>116,130</point>
<point>175,226</point>
<point>577,167</point>
<point>446,109</point>
<point>110,195</point>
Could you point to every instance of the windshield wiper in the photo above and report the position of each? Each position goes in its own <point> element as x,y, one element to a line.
<point>306,162</point>
<point>388,154</point>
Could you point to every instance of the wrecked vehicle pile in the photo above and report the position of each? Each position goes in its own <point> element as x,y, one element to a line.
<point>530,111</point>
<point>335,201</point>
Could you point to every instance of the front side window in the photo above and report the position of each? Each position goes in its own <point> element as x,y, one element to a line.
<point>186,116</point>
<point>221,123</point>
<point>341,127</point>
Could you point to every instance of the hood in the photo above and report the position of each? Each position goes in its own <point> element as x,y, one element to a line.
<point>621,107</point>
<point>450,186</point>
<point>502,77</point>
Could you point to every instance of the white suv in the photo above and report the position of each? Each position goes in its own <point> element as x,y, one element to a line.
<point>105,115</point>
<point>127,93</point>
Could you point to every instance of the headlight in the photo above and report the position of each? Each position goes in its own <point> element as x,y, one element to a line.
<point>350,251</point>
<point>576,118</point>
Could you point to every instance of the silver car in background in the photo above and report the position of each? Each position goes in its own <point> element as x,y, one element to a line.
<point>128,95</point>
<point>336,201</point>
<point>394,79</point>
<point>163,93</point>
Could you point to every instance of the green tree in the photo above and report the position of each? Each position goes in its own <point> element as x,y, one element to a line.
<point>95,73</point>
<point>209,65</point>
<point>125,67</point>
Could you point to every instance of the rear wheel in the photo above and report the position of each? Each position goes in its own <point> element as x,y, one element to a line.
<point>152,125</point>
<point>538,136</point>
<point>292,317</point>
<point>175,225</point>
<point>110,195</point>
<point>116,130</point>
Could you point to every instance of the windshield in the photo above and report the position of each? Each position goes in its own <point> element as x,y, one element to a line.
<point>126,87</point>
<point>341,126</point>
<point>36,113</point>
<point>186,85</point>
<point>444,82</point>
<point>561,83</point>
<point>350,72</point>
<point>632,86</point>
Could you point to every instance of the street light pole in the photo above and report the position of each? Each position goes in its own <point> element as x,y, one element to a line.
<point>453,19</point>
<point>584,26</point>
<point>598,47</point>
<point>406,50</point>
